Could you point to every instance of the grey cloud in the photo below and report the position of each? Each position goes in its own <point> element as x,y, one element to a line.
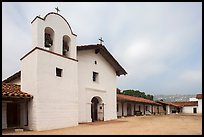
<point>154,42</point>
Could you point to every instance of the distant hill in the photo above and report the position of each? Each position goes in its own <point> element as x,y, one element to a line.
<point>173,98</point>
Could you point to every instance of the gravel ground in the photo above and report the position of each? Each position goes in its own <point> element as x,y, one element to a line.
<point>139,125</point>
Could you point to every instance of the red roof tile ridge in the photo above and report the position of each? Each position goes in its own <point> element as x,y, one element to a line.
<point>12,90</point>
<point>199,96</point>
<point>139,99</point>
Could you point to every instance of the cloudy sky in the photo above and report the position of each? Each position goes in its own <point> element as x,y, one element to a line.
<point>158,44</point>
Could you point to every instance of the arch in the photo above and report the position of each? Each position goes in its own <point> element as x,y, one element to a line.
<point>51,13</point>
<point>97,109</point>
<point>66,43</point>
<point>48,38</point>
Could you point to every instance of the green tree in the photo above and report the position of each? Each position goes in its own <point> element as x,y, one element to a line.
<point>150,97</point>
<point>137,93</point>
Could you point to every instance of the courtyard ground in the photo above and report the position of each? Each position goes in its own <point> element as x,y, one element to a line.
<point>175,124</point>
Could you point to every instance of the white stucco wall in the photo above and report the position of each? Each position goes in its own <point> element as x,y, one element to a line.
<point>105,88</point>
<point>161,110</point>
<point>119,112</point>
<point>137,107</point>
<point>60,27</point>
<point>200,106</point>
<point>55,102</point>
<point>188,109</point>
<point>29,85</point>
<point>4,118</point>
<point>149,109</point>
<point>172,108</point>
<point>132,109</point>
<point>193,99</point>
<point>124,109</point>
<point>142,108</point>
<point>155,110</point>
<point>168,109</point>
<point>23,115</point>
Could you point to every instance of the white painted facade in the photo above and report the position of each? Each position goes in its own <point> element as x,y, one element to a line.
<point>55,102</point>
<point>60,27</point>
<point>65,101</point>
<point>144,108</point>
<point>54,105</point>
<point>193,99</point>
<point>104,87</point>
<point>200,106</point>
<point>170,109</point>
<point>189,109</point>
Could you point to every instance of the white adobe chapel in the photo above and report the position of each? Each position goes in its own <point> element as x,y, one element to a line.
<point>60,84</point>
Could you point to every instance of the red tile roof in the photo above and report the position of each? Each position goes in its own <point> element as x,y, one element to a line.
<point>199,96</point>
<point>10,90</point>
<point>135,99</point>
<point>179,104</point>
<point>188,103</point>
<point>167,103</point>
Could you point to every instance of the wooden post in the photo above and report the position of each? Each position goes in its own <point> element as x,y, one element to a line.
<point>122,108</point>
<point>134,109</point>
<point>26,113</point>
<point>152,110</point>
<point>103,111</point>
<point>144,109</point>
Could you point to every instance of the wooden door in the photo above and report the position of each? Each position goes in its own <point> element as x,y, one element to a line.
<point>13,115</point>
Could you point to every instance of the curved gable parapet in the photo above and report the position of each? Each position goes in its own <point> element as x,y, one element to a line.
<point>55,14</point>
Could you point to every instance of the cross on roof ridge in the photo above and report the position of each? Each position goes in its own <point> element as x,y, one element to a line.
<point>101,40</point>
<point>57,9</point>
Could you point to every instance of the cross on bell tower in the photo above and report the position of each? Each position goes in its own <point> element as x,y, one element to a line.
<point>57,9</point>
<point>101,40</point>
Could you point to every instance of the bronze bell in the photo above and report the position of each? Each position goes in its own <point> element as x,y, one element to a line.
<point>48,40</point>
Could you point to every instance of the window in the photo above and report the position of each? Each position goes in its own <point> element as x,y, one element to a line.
<point>95,76</point>
<point>58,72</point>
<point>95,62</point>
<point>146,108</point>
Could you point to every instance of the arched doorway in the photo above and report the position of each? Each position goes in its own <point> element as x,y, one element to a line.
<point>97,109</point>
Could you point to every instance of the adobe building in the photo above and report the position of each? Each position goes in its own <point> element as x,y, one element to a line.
<point>60,84</point>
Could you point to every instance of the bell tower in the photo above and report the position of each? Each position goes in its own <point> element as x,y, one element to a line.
<point>54,33</point>
<point>50,73</point>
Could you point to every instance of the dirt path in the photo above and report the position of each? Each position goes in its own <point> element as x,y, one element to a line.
<point>140,125</point>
